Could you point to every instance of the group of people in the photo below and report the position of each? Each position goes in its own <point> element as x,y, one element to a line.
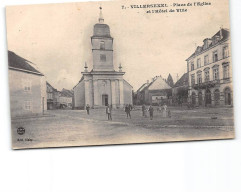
<point>161,109</point>
<point>165,112</point>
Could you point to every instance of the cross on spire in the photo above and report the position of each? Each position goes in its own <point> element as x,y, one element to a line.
<point>101,19</point>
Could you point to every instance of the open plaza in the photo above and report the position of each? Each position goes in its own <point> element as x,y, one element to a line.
<point>75,128</point>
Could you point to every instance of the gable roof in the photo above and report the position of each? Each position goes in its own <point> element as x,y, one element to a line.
<point>225,35</point>
<point>16,62</point>
<point>182,81</point>
<point>159,84</point>
<point>66,93</point>
<point>142,87</point>
<point>51,86</point>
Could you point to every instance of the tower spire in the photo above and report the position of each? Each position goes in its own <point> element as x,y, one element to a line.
<point>101,19</point>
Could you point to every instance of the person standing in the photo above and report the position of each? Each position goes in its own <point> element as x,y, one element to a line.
<point>108,112</point>
<point>143,109</point>
<point>151,112</point>
<point>128,110</point>
<point>165,111</point>
<point>88,109</point>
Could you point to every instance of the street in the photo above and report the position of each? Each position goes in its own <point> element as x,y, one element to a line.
<point>75,128</point>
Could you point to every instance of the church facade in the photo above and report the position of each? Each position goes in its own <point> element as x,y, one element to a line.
<point>102,85</point>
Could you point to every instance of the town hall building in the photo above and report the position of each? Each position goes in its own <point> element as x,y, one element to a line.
<point>102,85</point>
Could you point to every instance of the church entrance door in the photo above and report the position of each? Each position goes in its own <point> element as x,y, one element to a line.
<point>104,100</point>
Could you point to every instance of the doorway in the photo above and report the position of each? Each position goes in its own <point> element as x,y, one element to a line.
<point>208,97</point>
<point>193,98</point>
<point>200,98</point>
<point>227,95</point>
<point>104,100</point>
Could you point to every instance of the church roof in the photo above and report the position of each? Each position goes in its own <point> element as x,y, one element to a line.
<point>159,84</point>
<point>18,63</point>
<point>101,30</point>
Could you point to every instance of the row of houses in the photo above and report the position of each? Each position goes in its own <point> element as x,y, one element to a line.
<point>207,82</point>
<point>30,93</point>
<point>58,99</point>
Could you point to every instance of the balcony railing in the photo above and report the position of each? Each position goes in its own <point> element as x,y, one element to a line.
<point>206,84</point>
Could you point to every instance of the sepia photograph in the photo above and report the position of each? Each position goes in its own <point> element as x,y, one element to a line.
<point>119,72</point>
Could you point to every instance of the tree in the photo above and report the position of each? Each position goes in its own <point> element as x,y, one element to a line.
<point>170,80</point>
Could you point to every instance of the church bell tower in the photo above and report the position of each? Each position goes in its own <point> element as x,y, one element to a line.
<point>102,46</point>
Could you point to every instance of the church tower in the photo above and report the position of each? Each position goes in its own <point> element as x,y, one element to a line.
<point>102,46</point>
<point>102,85</point>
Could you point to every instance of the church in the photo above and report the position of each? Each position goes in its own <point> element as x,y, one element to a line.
<point>102,85</point>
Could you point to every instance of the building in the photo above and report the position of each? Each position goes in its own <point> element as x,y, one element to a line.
<point>52,97</point>
<point>140,94</point>
<point>209,70</point>
<point>66,98</point>
<point>102,85</point>
<point>156,93</point>
<point>27,87</point>
<point>180,91</point>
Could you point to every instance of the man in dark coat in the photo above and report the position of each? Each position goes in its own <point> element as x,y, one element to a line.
<point>88,109</point>
<point>128,110</point>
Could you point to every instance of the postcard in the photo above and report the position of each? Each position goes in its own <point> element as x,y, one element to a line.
<point>119,72</point>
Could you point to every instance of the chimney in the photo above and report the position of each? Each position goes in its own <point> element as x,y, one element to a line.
<point>147,81</point>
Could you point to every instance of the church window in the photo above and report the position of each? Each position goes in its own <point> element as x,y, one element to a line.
<point>102,57</point>
<point>102,45</point>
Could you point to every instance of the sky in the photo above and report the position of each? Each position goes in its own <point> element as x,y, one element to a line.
<point>56,37</point>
